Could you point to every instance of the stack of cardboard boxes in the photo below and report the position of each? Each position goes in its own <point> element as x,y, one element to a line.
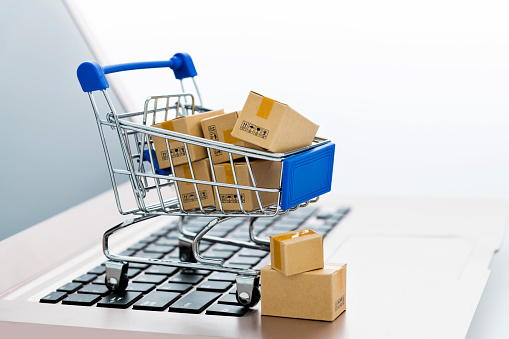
<point>263,124</point>
<point>297,283</point>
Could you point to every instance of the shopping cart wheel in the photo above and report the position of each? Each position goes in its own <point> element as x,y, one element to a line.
<point>116,279</point>
<point>248,290</point>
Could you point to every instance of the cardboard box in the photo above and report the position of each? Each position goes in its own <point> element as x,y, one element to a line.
<point>267,175</point>
<point>186,125</point>
<point>296,252</point>
<point>201,170</point>
<point>314,295</point>
<point>273,125</point>
<point>219,128</point>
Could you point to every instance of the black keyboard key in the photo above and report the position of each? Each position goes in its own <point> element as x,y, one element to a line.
<point>101,290</point>
<point>175,287</point>
<point>243,236</point>
<point>186,278</point>
<point>53,297</point>
<point>230,299</point>
<point>248,252</point>
<point>226,248</point>
<point>283,228</point>
<point>161,232</point>
<point>149,239</point>
<point>223,276</point>
<point>138,265</point>
<point>132,272</point>
<point>138,246</point>
<point>214,286</point>
<point>324,215</point>
<point>217,255</point>
<point>99,280</point>
<point>173,235</point>
<point>241,266</point>
<point>98,270</point>
<point>245,260</point>
<point>159,249</point>
<point>196,271</point>
<point>228,310</point>
<point>151,278</point>
<point>127,253</point>
<point>124,300</point>
<point>194,302</point>
<point>156,301</point>
<point>85,278</point>
<point>218,232</point>
<point>150,255</point>
<point>140,287</point>
<point>167,242</point>
<point>70,287</point>
<point>165,270</point>
<point>81,299</point>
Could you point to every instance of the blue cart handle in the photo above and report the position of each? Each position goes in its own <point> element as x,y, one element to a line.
<point>92,77</point>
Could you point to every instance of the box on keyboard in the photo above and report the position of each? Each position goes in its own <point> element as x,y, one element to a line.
<point>296,251</point>
<point>314,295</point>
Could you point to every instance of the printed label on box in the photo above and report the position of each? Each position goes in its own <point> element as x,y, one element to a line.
<point>213,136</point>
<point>232,198</point>
<point>253,129</point>
<point>178,152</point>
<point>340,302</point>
<point>190,197</point>
<point>213,133</point>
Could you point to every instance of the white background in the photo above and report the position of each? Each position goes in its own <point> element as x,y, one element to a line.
<point>414,94</point>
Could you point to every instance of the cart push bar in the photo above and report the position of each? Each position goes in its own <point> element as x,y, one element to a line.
<point>306,174</point>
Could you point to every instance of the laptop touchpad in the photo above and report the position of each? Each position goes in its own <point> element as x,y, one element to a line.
<point>405,257</point>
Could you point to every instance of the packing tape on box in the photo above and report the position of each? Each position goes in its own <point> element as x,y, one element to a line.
<point>265,108</point>
<point>168,125</point>
<point>229,174</point>
<point>187,173</point>
<point>228,138</point>
<point>279,238</point>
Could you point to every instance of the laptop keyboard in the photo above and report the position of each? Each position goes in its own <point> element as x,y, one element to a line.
<point>166,288</point>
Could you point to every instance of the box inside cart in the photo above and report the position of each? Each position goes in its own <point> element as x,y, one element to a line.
<point>219,128</point>
<point>267,175</point>
<point>273,125</point>
<point>201,170</point>
<point>187,125</point>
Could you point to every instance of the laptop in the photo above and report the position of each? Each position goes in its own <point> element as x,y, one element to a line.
<point>411,264</point>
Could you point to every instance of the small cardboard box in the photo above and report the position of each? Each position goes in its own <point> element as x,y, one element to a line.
<point>219,128</point>
<point>201,170</point>
<point>314,295</point>
<point>273,125</point>
<point>186,125</point>
<point>267,175</point>
<point>296,251</point>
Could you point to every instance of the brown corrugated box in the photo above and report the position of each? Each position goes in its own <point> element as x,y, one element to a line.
<point>267,175</point>
<point>314,295</point>
<point>201,170</point>
<point>273,125</point>
<point>296,251</point>
<point>187,125</point>
<point>219,128</point>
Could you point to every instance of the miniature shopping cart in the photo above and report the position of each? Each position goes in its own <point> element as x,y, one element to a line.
<point>305,174</point>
